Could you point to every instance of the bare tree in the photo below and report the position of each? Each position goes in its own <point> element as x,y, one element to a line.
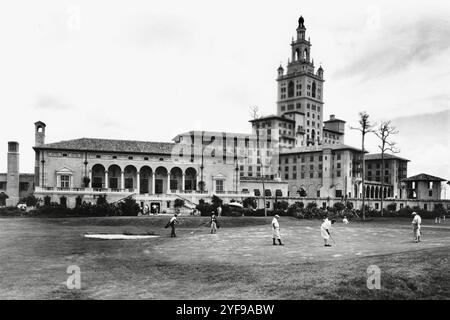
<point>384,132</point>
<point>364,127</point>
<point>254,112</point>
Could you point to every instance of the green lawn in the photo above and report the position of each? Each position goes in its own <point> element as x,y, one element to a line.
<point>239,262</point>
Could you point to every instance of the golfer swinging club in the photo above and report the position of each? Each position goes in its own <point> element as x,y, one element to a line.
<point>417,221</point>
<point>276,230</point>
<point>325,231</point>
<point>173,221</point>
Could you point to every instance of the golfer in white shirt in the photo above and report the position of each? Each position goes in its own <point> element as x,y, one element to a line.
<point>276,230</point>
<point>417,221</point>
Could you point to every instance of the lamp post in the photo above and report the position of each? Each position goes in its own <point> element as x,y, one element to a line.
<point>237,175</point>
<point>43,166</point>
<point>202,183</point>
<point>86,179</point>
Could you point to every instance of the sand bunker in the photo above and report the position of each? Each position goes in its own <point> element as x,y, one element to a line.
<point>119,236</point>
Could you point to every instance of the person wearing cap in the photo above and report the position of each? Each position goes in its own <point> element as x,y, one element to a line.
<point>276,230</point>
<point>214,224</point>
<point>417,221</point>
<point>325,231</point>
<point>173,221</point>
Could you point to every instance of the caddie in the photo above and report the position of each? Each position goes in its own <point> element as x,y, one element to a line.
<point>276,230</point>
<point>325,231</point>
<point>417,221</point>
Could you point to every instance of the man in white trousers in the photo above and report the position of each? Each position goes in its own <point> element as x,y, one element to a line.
<point>276,230</point>
<point>325,231</point>
<point>417,221</point>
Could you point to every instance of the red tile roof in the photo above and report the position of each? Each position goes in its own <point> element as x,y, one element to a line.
<point>387,156</point>
<point>423,177</point>
<point>108,145</point>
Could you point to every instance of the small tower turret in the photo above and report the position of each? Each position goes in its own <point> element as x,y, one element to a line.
<point>39,133</point>
<point>320,72</point>
<point>280,71</point>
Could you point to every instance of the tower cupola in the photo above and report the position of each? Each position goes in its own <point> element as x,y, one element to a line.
<point>301,29</point>
<point>39,133</point>
<point>280,71</point>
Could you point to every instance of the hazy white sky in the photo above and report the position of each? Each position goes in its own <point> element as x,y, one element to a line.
<point>148,70</point>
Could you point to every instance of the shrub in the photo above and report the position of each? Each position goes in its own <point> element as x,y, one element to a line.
<point>30,200</point>
<point>392,207</point>
<point>280,206</point>
<point>179,203</point>
<point>11,211</point>
<point>439,210</point>
<point>47,200</point>
<point>296,210</point>
<point>349,205</point>
<point>129,207</point>
<point>311,205</point>
<point>3,197</point>
<point>339,207</point>
<point>249,202</point>
<point>101,199</point>
<point>205,208</point>
<point>216,201</point>
<point>228,211</point>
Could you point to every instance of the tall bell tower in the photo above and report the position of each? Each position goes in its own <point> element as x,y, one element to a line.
<point>39,140</point>
<point>12,176</point>
<point>300,91</point>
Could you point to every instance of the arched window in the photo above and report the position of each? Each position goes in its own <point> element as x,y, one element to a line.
<point>313,93</point>
<point>297,54</point>
<point>305,54</point>
<point>291,89</point>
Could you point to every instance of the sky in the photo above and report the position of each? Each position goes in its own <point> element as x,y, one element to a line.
<point>148,70</point>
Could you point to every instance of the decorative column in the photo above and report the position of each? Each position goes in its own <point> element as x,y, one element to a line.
<point>168,182</point>
<point>106,180</point>
<point>122,180</point>
<point>153,183</point>
<point>183,180</point>
<point>90,179</point>
<point>138,182</point>
<point>58,180</point>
